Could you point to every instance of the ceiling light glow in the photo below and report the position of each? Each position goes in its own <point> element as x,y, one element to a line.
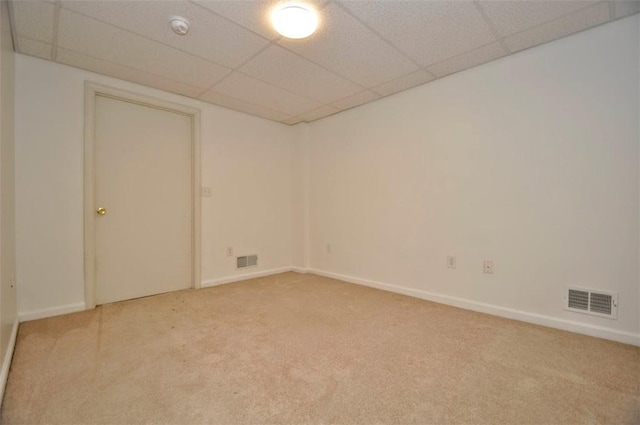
<point>294,20</point>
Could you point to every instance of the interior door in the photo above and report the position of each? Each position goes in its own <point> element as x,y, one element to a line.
<point>143,191</point>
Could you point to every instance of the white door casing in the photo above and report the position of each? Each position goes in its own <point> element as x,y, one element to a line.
<point>142,165</point>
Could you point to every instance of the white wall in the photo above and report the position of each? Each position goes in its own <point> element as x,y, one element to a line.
<point>246,161</point>
<point>300,217</point>
<point>8,314</point>
<point>530,161</point>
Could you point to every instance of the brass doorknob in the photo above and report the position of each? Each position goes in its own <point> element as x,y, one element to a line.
<point>101,211</point>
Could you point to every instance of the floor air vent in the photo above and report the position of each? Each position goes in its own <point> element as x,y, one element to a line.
<point>246,261</point>
<point>587,301</point>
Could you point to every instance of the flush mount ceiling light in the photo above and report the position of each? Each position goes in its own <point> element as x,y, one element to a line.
<point>179,25</point>
<point>294,20</point>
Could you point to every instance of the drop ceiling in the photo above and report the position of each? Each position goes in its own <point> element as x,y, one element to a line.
<point>362,50</point>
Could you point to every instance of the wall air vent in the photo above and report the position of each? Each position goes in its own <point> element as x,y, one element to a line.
<point>594,302</point>
<point>246,261</point>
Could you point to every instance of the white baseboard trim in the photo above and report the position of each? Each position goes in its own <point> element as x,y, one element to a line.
<point>537,319</point>
<point>73,308</point>
<point>239,277</point>
<point>50,312</point>
<point>299,270</point>
<point>8,356</point>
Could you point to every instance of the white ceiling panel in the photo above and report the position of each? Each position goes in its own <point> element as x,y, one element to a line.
<point>362,50</point>
<point>35,48</point>
<point>355,100</point>
<point>469,59</point>
<point>583,19</point>
<point>79,60</point>
<point>363,57</point>
<point>428,31</point>
<point>210,37</point>
<point>404,83</point>
<point>259,93</point>
<point>293,121</point>
<point>624,8</point>
<point>34,20</point>
<point>323,111</point>
<point>509,17</point>
<point>102,41</point>
<point>254,15</point>
<point>296,74</point>
<point>242,106</point>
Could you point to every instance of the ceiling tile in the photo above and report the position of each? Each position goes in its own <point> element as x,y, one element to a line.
<point>79,60</point>
<point>404,83</point>
<point>355,100</point>
<point>293,121</point>
<point>469,59</point>
<point>259,93</point>
<point>509,17</point>
<point>363,57</point>
<point>102,41</point>
<point>242,106</point>
<point>427,31</point>
<point>210,37</point>
<point>362,50</point>
<point>323,111</point>
<point>624,8</point>
<point>291,72</point>
<point>34,48</point>
<point>251,14</point>
<point>33,20</point>
<point>570,24</point>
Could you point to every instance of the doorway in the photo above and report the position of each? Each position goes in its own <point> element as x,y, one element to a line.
<point>141,203</point>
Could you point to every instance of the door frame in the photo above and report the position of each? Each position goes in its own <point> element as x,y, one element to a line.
<point>91,91</point>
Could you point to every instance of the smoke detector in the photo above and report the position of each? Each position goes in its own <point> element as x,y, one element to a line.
<point>179,25</point>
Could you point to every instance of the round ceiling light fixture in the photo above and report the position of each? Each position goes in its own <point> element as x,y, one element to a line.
<point>294,20</point>
<point>179,25</point>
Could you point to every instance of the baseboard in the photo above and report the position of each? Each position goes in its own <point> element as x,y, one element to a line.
<point>50,312</point>
<point>299,270</point>
<point>245,276</point>
<point>8,356</point>
<point>537,319</point>
<point>73,308</point>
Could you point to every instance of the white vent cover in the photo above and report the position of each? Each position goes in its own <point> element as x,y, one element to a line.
<point>246,261</point>
<point>594,302</point>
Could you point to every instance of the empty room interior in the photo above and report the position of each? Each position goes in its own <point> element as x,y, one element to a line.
<point>321,211</point>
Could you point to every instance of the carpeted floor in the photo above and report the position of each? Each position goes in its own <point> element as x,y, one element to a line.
<point>302,349</point>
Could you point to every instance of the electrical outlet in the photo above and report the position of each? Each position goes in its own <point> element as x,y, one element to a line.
<point>488,267</point>
<point>229,251</point>
<point>452,263</point>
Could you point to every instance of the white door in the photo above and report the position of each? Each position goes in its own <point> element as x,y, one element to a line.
<point>143,160</point>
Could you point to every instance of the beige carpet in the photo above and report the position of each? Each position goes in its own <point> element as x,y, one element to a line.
<point>302,349</point>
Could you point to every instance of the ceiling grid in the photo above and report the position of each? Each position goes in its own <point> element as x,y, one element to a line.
<point>232,57</point>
